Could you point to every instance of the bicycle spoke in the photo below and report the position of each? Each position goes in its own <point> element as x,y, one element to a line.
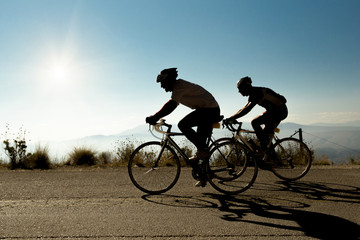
<point>229,170</point>
<point>290,159</point>
<point>153,169</point>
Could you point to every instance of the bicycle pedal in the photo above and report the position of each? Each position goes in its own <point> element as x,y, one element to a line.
<point>200,184</point>
<point>195,174</point>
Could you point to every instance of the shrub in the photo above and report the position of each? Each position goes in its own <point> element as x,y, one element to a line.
<point>322,160</point>
<point>39,159</point>
<point>105,158</point>
<point>3,163</point>
<point>123,151</point>
<point>16,149</point>
<point>82,156</point>
<point>354,161</point>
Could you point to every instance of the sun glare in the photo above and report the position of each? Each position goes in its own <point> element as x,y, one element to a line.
<point>58,72</point>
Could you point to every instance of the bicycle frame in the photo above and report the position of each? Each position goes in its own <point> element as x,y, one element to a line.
<point>273,140</point>
<point>167,140</point>
<point>240,137</point>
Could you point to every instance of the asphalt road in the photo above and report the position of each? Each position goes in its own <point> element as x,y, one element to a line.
<point>92,203</point>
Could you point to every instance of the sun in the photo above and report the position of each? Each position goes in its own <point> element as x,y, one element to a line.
<point>59,72</point>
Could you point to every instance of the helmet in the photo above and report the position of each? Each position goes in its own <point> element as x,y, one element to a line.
<point>244,83</point>
<point>167,75</point>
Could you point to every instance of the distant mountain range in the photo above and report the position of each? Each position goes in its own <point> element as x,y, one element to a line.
<point>339,142</point>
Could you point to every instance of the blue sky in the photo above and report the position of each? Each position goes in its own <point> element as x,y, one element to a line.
<point>70,69</point>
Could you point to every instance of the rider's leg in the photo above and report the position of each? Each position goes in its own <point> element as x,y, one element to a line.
<point>271,120</point>
<point>202,118</point>
<point>256,124</point>
<point>186,127</point>
<point>204,130</point>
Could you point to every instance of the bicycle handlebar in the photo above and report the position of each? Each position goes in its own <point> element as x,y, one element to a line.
<point>157,126</point>
<point>231,125</point>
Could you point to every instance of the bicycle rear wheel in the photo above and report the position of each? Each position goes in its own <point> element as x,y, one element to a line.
<point>290,159</point>
<point>229,168</point>
<point>152,169</point>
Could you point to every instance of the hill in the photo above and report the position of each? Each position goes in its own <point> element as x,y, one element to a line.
<point>338,142</point>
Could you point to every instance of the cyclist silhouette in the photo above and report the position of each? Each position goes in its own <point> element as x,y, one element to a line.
<point>206,110</point>
<point>274,103</point>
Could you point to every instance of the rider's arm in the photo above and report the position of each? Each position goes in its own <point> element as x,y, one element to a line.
<point>245,110</point>
<point>168,108</point>
<point>164,111</point>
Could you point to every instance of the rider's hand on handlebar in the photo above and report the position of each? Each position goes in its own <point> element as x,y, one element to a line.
<point>228,121</point>
<point>152,120</point>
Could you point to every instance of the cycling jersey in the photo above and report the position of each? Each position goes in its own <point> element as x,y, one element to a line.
<point>192,95</point>
<point>266,98</point>
<point>206,112</point>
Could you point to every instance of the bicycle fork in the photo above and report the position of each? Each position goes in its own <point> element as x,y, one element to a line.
<point>156,163</point>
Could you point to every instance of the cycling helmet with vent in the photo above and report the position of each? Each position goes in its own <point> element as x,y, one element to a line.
<point>244,82</point>
<point>244,85</point>
<point>167,75</point>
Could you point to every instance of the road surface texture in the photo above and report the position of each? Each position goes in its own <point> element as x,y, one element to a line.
<point>89,203</point>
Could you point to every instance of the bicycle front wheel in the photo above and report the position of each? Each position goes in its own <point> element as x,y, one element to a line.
<point>230,169</point>
<point>290,159</point>
<point>154,169</point>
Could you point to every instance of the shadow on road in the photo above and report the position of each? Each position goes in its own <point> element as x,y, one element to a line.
<point>312,224</point>
<point>180,201</point>
<point>324,191</point>
<point>294,215</point>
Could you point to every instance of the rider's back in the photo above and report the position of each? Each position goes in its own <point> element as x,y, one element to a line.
<point>266,98</point>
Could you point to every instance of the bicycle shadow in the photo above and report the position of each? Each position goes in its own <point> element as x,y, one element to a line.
<point>324,191</point>
<point>179,201</point>
<point>312,224</point>
<point>293,215</point>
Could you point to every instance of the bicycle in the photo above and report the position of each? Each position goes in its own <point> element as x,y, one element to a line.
<point>288,158</point>
<point>154,167</point>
